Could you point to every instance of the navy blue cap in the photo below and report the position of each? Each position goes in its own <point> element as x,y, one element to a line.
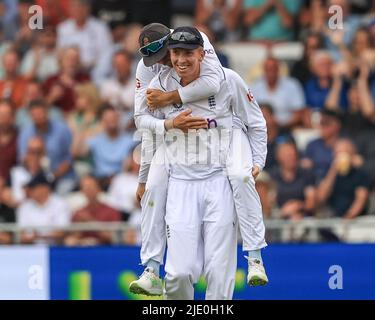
<point>186,38</point>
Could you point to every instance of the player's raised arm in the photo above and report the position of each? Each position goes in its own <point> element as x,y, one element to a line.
<point>245,106</point>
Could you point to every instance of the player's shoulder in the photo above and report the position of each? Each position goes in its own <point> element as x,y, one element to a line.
<point>233,78</point>
<point>143,69</point>
<point>231,74</point>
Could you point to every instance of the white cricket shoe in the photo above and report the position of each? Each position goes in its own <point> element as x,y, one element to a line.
<point>148,284</point>
<point>257,274</point>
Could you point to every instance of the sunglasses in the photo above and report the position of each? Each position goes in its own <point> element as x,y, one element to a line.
<point>184,36</point>
<point>153,47</point>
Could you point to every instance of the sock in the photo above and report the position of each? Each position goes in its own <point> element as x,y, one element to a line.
<point>255,254</point>
<point>155,265</point>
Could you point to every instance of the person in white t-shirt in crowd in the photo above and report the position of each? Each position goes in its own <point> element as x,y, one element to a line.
<point>84,31</point>
<point>121,192</point>
<point>284,93</point>
<point>32,163</point>
<point>118,91</point>
<point>42,208</point>
<point>41,61</point>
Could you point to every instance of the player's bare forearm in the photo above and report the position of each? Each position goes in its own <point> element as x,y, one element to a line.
<point>159,99</point>
<point>185,121</point>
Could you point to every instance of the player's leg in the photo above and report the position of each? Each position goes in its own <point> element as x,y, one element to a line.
<point>153,227</point>
<point>220,240</point>
<point>247,204</point>
<point>184,262</point>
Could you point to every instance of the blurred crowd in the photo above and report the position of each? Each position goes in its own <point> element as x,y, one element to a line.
<point>67,152</point>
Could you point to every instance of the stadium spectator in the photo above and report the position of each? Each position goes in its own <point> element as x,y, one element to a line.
<point>42,208</point>
<point>57,138</point>
<point>54,11</point>
<point>31,164</point>
<point>94,211</point>
<point>326,76</point>
<point>84,124</point>
<point>319,152</point>
<point>13,85</point>
<point>34,91</point>
<point>115,13</point>
<point>313,16</point>
<point>109,148</point>
<point>274,134</point>
<point>295,186</point>
<point>41,61</point>
<point>104,69</point>
<point>270,19</point>
<point>7,212</point>
<point>25,35</point>
<point>221,17</point>
<point>8,19</point>
<point>301,69</point>
<point>83,30</point>
<point>118,91</point>
<point>59,89</point>
<point>285,94</point>
<point>345,188</point>
<point>359,120</point>
<point>361,46</point>
<point>336,38</point>
<point>8,138</point>
<point>121,192</point>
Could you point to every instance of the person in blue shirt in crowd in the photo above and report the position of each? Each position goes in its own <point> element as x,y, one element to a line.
<point>57,139</point>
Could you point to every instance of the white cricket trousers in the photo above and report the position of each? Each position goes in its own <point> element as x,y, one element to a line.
<point>201,231</point>
<point>246,200</point>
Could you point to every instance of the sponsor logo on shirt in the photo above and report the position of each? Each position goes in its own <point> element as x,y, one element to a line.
<point>137,83</point>
<point>211,123</point>
<point>209,51</point>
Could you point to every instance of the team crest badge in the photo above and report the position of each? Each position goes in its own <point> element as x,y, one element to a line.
<point>249,95</point>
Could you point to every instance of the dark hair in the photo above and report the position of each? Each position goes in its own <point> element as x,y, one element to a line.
<point>104,108</point>
<point>8,102</point>
<point>36,103</point>
<point>125,53</point>
<point>336,114</point>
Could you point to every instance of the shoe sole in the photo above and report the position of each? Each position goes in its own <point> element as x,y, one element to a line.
<point>257,281</point>
<point>136,289</point>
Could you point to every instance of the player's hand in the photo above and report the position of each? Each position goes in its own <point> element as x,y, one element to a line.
<point>185,121</point>
<point>157,98</point>
<point>255,172</point>
<point>140,191</point>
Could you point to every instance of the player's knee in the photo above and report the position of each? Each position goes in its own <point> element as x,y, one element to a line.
<point>182,277</point>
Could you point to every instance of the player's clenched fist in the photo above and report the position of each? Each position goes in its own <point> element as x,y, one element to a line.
<point>185,121</point>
